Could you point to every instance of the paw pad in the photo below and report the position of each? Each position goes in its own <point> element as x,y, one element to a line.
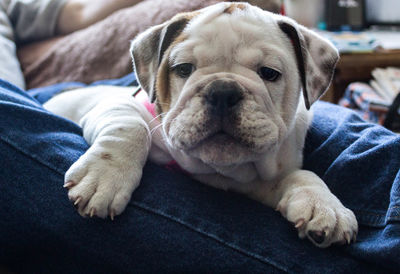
<point>317,236</point>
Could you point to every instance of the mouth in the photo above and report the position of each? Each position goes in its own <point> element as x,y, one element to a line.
<point>221,149</point>
<point>221,138</point>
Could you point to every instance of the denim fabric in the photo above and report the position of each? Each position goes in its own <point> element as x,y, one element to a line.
<point>360,163</point>
<point>44,94</point>
<point>174,224</point>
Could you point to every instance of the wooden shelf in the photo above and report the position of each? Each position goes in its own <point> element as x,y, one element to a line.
<point>353,67</point>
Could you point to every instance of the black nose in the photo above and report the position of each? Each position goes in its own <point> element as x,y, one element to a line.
<point>223,95</point>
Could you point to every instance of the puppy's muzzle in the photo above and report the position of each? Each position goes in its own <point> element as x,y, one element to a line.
<point>223,96</point>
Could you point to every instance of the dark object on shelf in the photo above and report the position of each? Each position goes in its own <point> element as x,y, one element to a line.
<point>344,14</point>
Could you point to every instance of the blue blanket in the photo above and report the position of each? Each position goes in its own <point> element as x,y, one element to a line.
<point>358,160</point>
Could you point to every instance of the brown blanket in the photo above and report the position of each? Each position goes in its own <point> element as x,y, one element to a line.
<point>101,51</point>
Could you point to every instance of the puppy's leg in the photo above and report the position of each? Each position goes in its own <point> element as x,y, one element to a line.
<point>304,199</point>
<point>101,182</point>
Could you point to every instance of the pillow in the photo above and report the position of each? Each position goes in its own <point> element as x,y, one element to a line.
<point>101,51</point>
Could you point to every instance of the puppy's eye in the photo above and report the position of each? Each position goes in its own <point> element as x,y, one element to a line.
<point>184,70</point>
<point>269,74</point>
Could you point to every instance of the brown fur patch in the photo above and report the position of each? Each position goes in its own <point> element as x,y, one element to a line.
<point>179,39</point>
<point>163,94</point>
<point>162,87</point>
<point>232,7</point>
<point>186,15</point>
<point>106,156</point>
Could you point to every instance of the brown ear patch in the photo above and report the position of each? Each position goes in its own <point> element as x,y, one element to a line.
<point>162,87</point>
<point>172,31</point>
<point>234,6</point>
<point>188,15</point>
<point>173,36</point>
<point>163,93</point>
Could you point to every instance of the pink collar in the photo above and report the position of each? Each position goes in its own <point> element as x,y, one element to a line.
<point>143,98</point>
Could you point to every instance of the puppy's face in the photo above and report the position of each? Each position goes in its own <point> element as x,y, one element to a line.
<point>227,79</point>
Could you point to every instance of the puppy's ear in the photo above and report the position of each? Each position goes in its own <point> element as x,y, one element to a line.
<point>148,48</point>
<point>316,59</point>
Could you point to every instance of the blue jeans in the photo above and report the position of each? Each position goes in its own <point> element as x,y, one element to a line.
<point>174,224</point>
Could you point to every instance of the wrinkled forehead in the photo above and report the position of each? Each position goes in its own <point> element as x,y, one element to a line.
<point>227,33</point>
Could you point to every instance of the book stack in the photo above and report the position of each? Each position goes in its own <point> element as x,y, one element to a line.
<point>374,101</point>
<point>386,83</point>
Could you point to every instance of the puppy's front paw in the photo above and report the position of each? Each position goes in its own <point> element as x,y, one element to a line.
<point>319,216</point>
<point>100,185</point>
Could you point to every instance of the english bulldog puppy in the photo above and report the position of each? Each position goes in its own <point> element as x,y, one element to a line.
<point>231,86</point>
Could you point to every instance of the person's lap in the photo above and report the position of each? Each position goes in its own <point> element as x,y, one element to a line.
<point>172,222</point>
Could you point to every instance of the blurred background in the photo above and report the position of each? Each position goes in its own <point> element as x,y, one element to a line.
<point>367,35</point>
<point>340,15</point>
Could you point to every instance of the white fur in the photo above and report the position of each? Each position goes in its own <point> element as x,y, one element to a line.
<point>272,116</point>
